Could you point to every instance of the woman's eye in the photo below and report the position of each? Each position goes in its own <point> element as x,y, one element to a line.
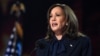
<point>57,15</point>
<point>50,16</point>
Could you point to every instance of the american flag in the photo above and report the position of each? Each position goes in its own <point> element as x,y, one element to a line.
<point>14,47</point>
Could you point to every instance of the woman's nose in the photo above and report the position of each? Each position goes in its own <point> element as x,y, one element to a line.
<point>54,18</point>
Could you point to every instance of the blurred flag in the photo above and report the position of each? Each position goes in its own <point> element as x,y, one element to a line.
<point>14,47</point>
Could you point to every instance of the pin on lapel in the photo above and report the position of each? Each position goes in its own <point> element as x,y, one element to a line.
<point>71,45</point>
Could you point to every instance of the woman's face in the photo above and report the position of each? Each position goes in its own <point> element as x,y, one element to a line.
<point>57,19</point>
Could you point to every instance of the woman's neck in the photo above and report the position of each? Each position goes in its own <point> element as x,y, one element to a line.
<point>58,36</point>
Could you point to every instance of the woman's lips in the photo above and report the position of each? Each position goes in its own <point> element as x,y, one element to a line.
<point>54,24</point>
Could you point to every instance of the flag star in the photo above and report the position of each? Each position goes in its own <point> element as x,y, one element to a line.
<point>14,44</point>
<point>9,43</point>
<point>14,29</point>
<point>71,45</point>
<point>12,50</point>
<point>8,49</point>
<point>6,55</point>
<point>12,36</point>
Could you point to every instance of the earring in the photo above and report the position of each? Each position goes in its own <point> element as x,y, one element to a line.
<point>66,24</point>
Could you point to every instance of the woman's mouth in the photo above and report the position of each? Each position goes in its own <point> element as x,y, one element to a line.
<point>54,24</point>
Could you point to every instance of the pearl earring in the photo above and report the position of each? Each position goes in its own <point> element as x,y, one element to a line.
<point>66,24</point>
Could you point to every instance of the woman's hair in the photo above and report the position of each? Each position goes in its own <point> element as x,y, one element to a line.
<point>72,28</point>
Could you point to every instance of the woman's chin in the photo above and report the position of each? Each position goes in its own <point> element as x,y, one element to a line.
<point>55,30</point>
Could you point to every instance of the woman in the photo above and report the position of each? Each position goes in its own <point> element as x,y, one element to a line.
<point>63,38</point>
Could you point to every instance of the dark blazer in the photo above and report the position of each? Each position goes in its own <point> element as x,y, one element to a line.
<point>80,46</point>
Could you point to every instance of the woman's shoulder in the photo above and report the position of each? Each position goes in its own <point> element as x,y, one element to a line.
<point>41,44</point>
<point>42,40</point>
<point>85,40</point>
<point>83,37</point>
